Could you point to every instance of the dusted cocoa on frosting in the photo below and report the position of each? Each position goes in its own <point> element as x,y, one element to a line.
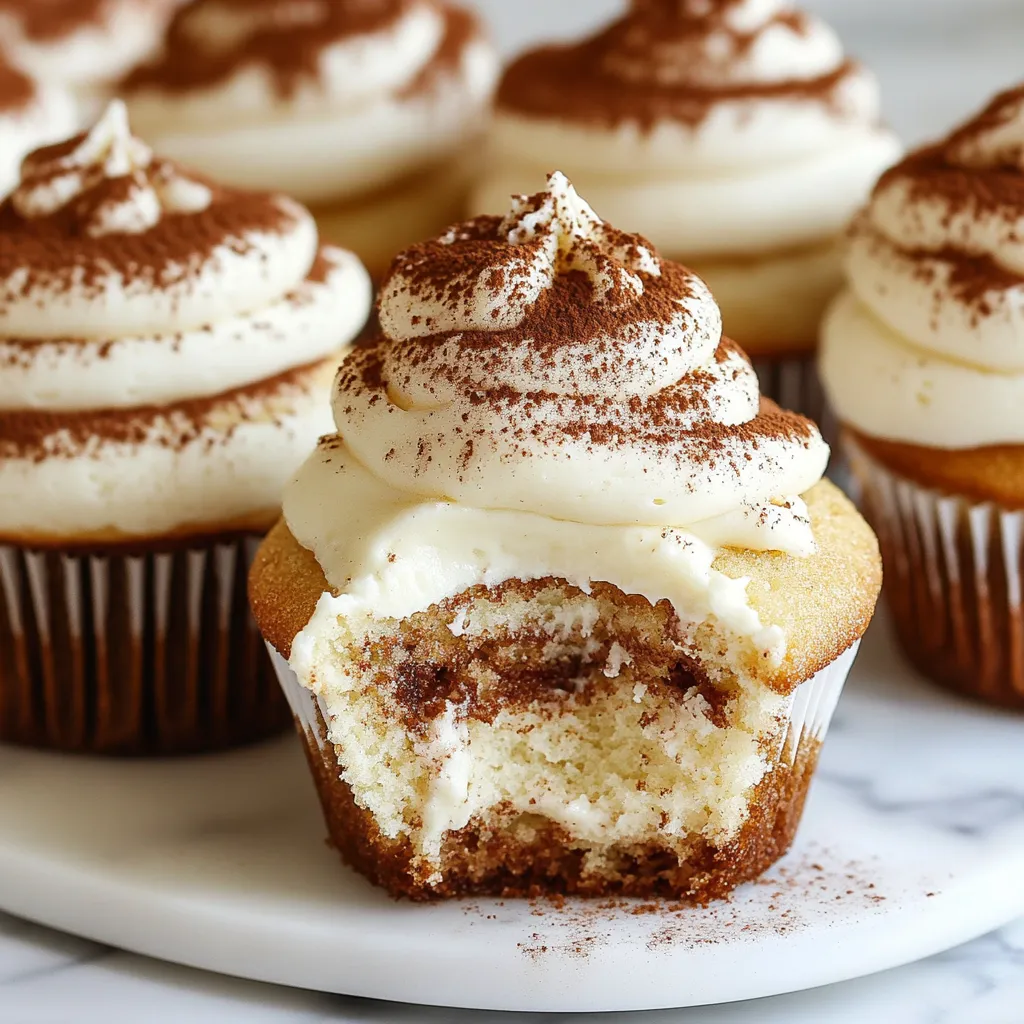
<point>166,343</point>
<point>39,434</point>
<point>927,347</point>
<point>589,322</point>
<point>286,40</point>
<point>167,240</point>
<point>17,90</point>
<point>54,19</point>
<point>85,44</point>
<point>669,60</point>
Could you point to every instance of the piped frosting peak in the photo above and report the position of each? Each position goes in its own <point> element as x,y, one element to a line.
<point>108,180</point>
<point>548,341</point>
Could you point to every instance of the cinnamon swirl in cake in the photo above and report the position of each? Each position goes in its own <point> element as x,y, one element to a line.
<point>562,604</point>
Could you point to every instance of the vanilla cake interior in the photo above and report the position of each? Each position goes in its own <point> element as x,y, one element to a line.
<point>533,737</point>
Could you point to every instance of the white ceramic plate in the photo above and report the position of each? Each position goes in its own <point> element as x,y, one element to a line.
<point>913,841</point>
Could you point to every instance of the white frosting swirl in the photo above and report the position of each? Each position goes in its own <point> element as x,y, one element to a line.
<point>84,44</point>
<point>715,128</point>
<point>46,114</point>
<point>160,335</point>
<point>109,185</point>
<point>935,321</point>
<point>550,397</point>
<point>378,103</point>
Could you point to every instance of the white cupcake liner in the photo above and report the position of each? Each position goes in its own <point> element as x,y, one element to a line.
<point>813,705</point>
<point>152,652</point>
<point>810,711</point>
<point>952,581</point>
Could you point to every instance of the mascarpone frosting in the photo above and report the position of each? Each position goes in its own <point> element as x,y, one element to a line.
<point>549,397</point>
<point>716,128</point>
<point>326,100</point>
<point>84,44</point>
<point>32,114</point>
<point>927,346</point>
<point>166,343</point>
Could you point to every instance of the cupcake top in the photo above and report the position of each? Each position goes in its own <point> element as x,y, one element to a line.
<point>715,126</point>
<point>31,114</point>
<point>161,343</point>
<point>83,43</point>
<point>324,99</point>
<point>549,397</point>
<point>927,346</point>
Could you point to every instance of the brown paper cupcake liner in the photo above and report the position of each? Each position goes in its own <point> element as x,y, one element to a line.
<point>504,867</point>
<point>149,653</point>
<point>952,581</point>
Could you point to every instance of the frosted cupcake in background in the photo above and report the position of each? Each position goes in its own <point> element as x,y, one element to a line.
<point>563,605</point>
<point>166,352</point>
<point>365,110</point>
<point>734,134</point>
<point>923,358</point>
<point>84,45</point>
<point>32,114</point>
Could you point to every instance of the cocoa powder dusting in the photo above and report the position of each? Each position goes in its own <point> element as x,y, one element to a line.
<point>288,41</point>
<point>59,252</point>
<point>813,887</point>
<point>652,66</point>
<point>49,20</point>
<point>40,434</point>
<point>933,175</point>
<point>17,90</point>
<point>602,328</point>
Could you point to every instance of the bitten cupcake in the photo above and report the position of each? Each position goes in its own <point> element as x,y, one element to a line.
<point>32,114</point>
<point>166,352</point>
<point>85,45</point>
<point>923,357</point>
<point>732,133</point>
<point>365,110</point>
<point>563,605</point>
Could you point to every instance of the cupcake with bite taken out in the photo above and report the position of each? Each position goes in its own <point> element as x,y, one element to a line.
<point>367,111</point>
<point>923,358</point>
<point>167,346</point>
<point>735,134</point>
<point>562,604</point>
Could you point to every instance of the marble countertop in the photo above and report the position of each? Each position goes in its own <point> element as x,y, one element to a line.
<point>49,978</point>
<point>938,59</point>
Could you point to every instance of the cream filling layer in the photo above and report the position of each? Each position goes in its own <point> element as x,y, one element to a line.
<point>391,554</point>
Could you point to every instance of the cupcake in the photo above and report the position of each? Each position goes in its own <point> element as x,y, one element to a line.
<point>167,347</point>
<point>923,358</point>
<point>563,605</point>
<point>732,133</point>
<point>85,45</point>
<point>364,110</point>
<point>32,114</point>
